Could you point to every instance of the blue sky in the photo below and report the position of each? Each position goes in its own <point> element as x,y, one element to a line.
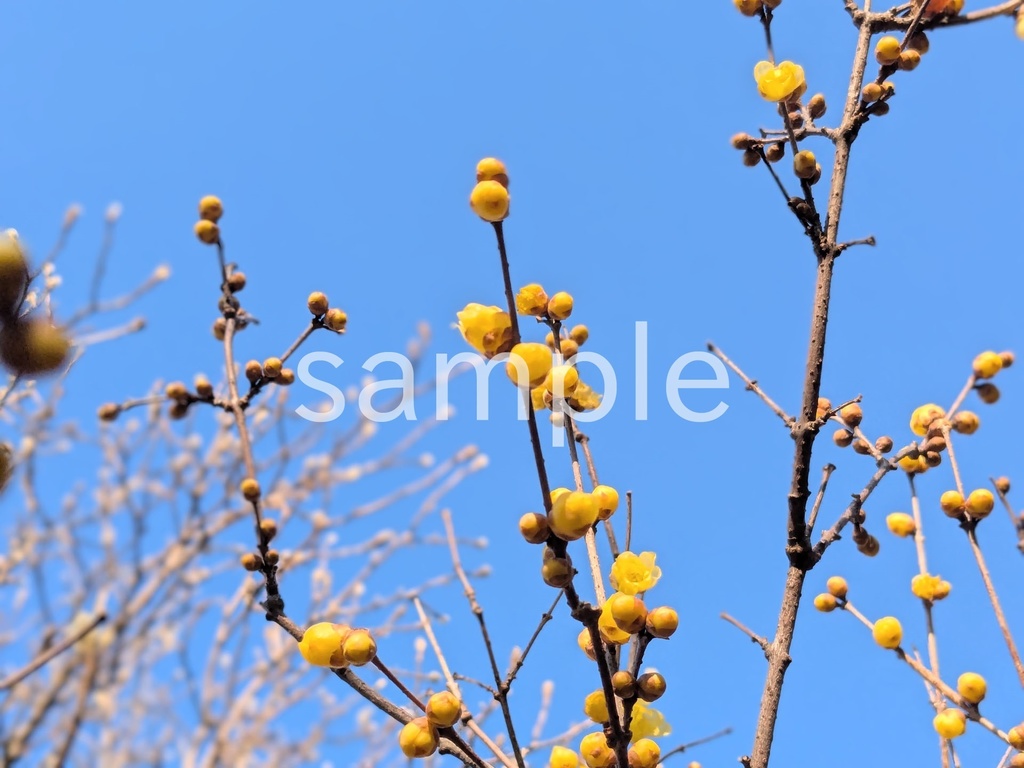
<point>342,139</point>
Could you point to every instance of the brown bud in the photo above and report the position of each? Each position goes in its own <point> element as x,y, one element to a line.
<point>108,411</point>
<point>557,572</point>
<point>220,326</point>
<point>883,444</point>
<point>268,528</point>
<point>842,438</point>
<point>236,281</point>
<point>880,108</point>
<point>287,377</point>
<point>1003,485</point>
<point>204,388</point>
<point>816,106</point>
<point>909,60</point>
<point>933,458</point>
<point>851,414</point>
<point>743,141</point>
<point>751,158</point>
<point>651,686</point>
<point>775,152</point>
<point>178,410</point>
<point>919,42</point>
<point>989,393</point>
<point>336,319</point>
<point>251,561</point>
<point>870,547</point>
<point>1007,357</point>
<point>862,446</point>
<point>253,371</point>
<point>935,444</point>
<point>250,488</point>
<point>824,406</point>
<point>33,346</point>
<point>176,391</point>
<point>273,557</point>
<point>871,92</point>
<point>534,527</point>
<point>860,536</point>
<point>624,684</point>
<point>569,348</point>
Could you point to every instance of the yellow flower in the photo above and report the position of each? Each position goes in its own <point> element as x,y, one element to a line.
<point>628,612</point>
<point>610,631</point>
<point>924,586</point>
<point>595,751</point>
<point>319,643</point>
<point>980,503</point>
<point>923,416</point>
<point>584,398</point>
<point>596,707</point>
<point>901,524</point>
<point>537,398</point>
<point>572,514</point>
<point>532,300</point>
<point>535,360</point>
<point>633,573</point>
<point>561,380</point>
<point>648,722</point>
<point>563,757</point>
<point>780,82</point>
<point>487,329</point>
<point>644,754</point>
<point>489,200</point>
<point>987,364</point>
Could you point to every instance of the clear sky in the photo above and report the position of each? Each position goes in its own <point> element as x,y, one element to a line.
<point>342,138</point>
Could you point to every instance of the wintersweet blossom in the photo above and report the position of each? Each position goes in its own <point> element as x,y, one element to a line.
<point>632,573</point>
<point>648,722</point>
<point>780,82</point>
<point>487,329</point>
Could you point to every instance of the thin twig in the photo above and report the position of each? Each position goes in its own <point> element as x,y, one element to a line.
<point>52,652</point>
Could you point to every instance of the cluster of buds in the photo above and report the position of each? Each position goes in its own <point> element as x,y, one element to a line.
<point>849,434</point>
<point>420,737</point>
<point>337,645</point>
<point>489,198</point>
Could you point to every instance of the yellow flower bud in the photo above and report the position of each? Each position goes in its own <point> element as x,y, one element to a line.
<point>492,169</point>
<point>901,524</point>
<point>888,632</point>
<point>950,723</point>
<point>528,364</point>
<point>560,306</point>
<point>443,709</point>
<point>418,738</point>
<point>211,208</point>
<point>972,687</point>
<point>489,200</point>
<point>319,643</point>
